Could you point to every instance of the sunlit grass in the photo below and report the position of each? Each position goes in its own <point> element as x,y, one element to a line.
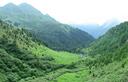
<point>60,57</point>
<point>73,77</point>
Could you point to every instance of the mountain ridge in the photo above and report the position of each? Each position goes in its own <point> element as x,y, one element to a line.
<point>46,28</point>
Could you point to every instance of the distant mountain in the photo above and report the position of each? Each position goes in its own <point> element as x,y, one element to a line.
<point>56,35</point>
<point>92,29</point>
<point>97,30</point>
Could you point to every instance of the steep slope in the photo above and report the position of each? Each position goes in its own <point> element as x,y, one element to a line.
<point>114,39</point>
<point>22,56</point>
<point>112,46</point>
<point>45,28</point>
<point>110,55</point>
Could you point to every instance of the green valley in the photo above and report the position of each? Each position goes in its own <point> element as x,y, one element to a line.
<point>101,65</point>
<point>36,48</point>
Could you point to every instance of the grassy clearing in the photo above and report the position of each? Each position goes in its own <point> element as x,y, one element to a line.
<point>60,57</point>
<point>79,76</point>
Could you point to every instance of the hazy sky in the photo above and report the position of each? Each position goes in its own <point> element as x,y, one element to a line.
<point>80,11</point>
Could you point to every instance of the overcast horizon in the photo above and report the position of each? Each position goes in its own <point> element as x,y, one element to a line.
<point>79,11</point>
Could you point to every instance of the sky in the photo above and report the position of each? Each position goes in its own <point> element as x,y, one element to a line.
<point>80,11</point>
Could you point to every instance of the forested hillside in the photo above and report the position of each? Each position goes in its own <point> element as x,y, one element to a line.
<point>45,28</point>
<point>22,56</point>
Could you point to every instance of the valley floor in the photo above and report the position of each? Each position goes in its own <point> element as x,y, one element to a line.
<point>113,72</point>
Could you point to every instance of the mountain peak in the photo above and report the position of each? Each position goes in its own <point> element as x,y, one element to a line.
<point>29,8</point>
<point>26,5</point>
<point>10,5</point>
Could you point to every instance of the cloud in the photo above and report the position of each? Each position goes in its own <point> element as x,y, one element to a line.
<point>80,11</point>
